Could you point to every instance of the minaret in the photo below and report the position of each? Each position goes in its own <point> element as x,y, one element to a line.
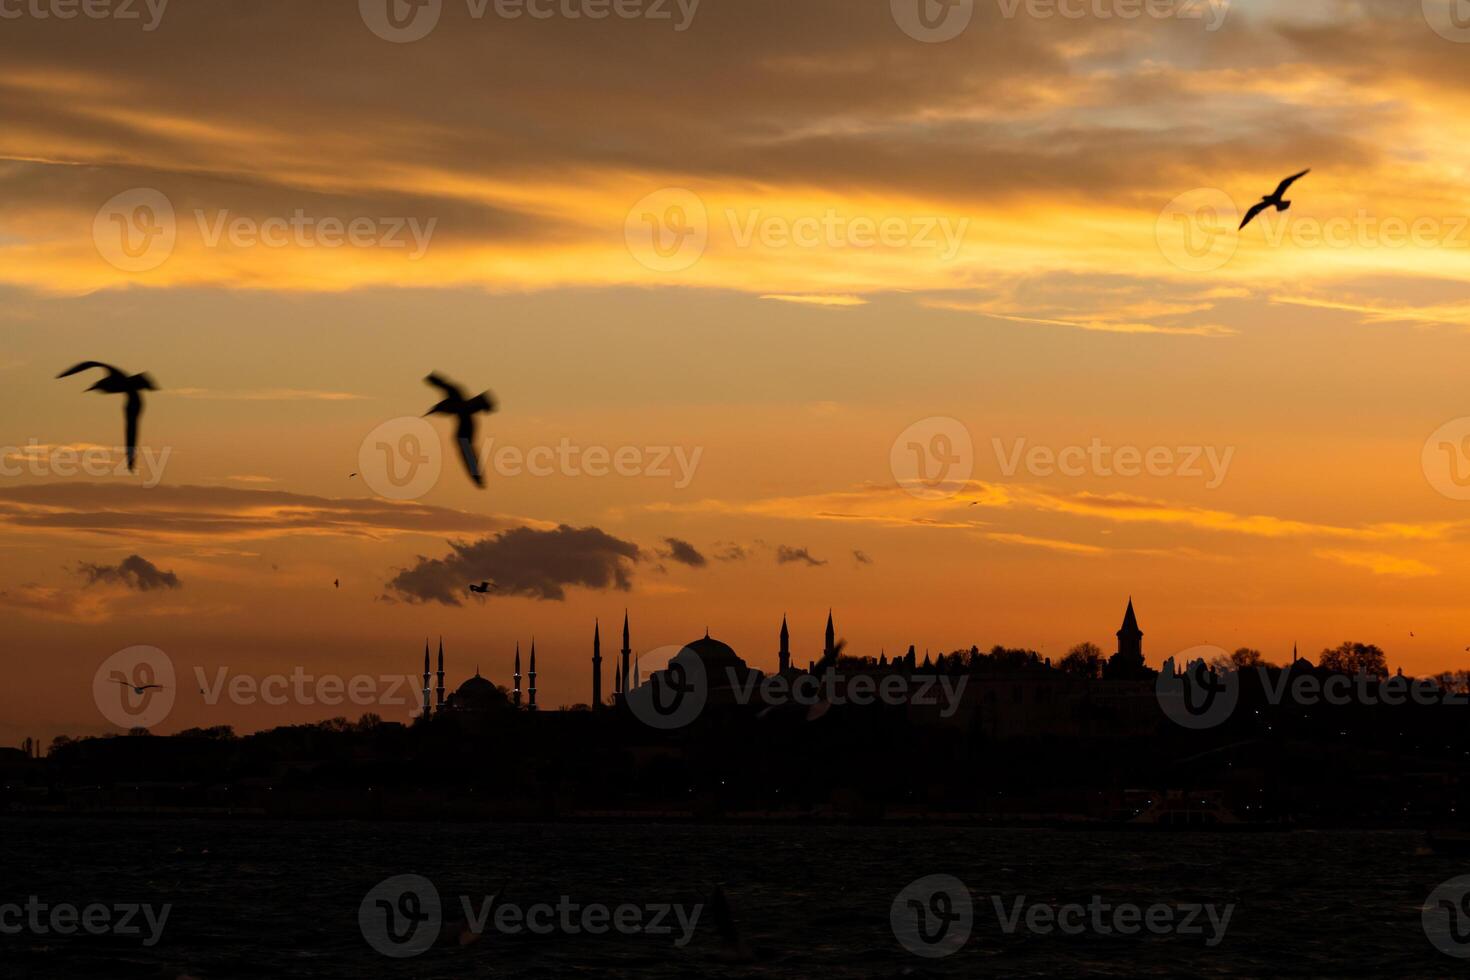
<point>637,675</point>
<point>533,675</point>
<point>627,652</point>
<point>516,695</point>
<point>596,666</point>
<point>427,707</point>
<point>439,691</point>
<point>784,657</point>
<point>829,650</point>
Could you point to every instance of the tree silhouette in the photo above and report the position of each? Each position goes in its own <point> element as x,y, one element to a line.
<point>1084,660</point>
<point>1355,658</point>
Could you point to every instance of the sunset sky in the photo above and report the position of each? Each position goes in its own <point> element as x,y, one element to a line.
<point>1027,228</point>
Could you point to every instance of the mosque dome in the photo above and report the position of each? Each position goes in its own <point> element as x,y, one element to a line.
<point>711,653</point>
<point>476,694</point>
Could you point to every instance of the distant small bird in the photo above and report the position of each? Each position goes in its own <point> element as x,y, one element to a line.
<point>137,688</point>
<point>1274,199</point>
<point>336,583</point>
<point>118,383</point>
<point>464,409</point>
<point>482,588</point>
<point>351,475</point>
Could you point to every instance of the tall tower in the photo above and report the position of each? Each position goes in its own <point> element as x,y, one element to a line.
<point>439,690</point>
<point>427,707</point>
<point>627,652</point>
<point>532,705</point>
<point>1130,637</point>
<point>596,666</point>
<point>784,656</point>
<point>1127,663</point>
<point>516,695</point>
<point>829,649</point>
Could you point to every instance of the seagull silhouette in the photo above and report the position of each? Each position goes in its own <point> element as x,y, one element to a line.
<point>118,383</point>
<point>480,589</point>
<point>1273,199</point>
<point>464,409</point>
<point>136,688</point>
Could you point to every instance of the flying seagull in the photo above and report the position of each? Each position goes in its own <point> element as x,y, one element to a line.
<point>118,383</point>
<point>137,688</point>
<point>481,589</point>
<point>1273,199</point>
<point>464,409</point>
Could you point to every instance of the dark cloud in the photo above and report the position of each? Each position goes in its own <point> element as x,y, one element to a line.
<point>523,562</point>
<point>786,555</point>
<point>684,553</point>
<point>861,557</point>
<point>133,572</point>
<point>190,513</point>
<point>753,91</point>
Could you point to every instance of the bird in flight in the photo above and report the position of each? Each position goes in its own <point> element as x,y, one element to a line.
<point>118,383</point>
<point>464,409</point>
<point>336,583</point>
<point>1273,199</point>
<point>137,688</point>
<point>480,589</point>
